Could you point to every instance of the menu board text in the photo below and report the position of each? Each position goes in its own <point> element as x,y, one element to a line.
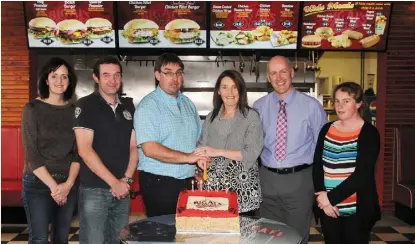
<point>345,25</point>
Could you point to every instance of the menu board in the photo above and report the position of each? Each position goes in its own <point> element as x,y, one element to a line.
<point>345,25</point>
<point>254,25</point>
<point>70,24</point>
<point>162,24</point>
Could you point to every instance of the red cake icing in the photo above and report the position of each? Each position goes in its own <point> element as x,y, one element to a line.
<point>232,211</point>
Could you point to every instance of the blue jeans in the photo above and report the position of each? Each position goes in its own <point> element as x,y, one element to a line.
<point>41,209</point>
<point>102,216</point>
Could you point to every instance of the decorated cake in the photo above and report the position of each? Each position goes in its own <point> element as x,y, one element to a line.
<point>207,211</point>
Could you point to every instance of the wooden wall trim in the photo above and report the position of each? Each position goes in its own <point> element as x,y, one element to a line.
<point>380,122</point>
<point>398,94</point>
<point>14,63</point>
<point>33,75</point>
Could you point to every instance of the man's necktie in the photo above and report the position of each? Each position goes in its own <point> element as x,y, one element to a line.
<point>281,140</point>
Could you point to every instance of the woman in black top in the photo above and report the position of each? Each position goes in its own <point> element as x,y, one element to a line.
<point>344,171</point>
<point>49,189</point>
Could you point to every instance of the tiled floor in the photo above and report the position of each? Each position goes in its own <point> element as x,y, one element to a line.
<point>387,231</point>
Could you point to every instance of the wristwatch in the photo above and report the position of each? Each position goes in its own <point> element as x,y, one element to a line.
<point>128,180</point>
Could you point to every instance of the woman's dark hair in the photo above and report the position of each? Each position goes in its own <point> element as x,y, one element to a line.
<point>51,66</point>
<point>240,85</point>
<point>354,90</point>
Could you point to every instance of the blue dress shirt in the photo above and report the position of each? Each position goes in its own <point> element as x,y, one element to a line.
<point>305,118</point>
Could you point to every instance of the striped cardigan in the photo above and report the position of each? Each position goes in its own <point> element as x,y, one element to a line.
<point>339,162</point>
<point>361,181</point>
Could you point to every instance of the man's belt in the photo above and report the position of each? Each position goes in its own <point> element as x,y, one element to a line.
<point>288,170</point>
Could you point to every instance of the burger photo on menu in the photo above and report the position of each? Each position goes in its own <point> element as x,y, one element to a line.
<point>41,27</point>
<point>140,31</point>
<point>98,28</point>
<point>311,41</point>
<point>182,31</point>
<point>70,31</point>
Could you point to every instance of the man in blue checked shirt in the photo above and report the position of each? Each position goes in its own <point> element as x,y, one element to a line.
<point>167,128</point>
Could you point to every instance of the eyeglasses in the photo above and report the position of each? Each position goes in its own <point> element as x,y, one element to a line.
<point>171,74</point>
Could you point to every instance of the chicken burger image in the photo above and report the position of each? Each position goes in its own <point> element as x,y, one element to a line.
<point>41,27</point>
<point>324,32</point>
<point>182,31</point>
<point>311,41</point>
<point>98,28</point>
<point>140,30</point>
<point>70,31</point>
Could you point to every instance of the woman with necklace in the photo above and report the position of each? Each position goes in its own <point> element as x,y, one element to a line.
<point>49,187</point>
<point>232,137</point>
<point>344,171</point>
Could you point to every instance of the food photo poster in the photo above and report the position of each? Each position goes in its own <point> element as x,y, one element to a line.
<point>162,24</point>
<point>345,25</point>
<point>70,24</point>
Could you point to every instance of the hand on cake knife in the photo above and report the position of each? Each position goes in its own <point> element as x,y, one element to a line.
<point>203,164</point>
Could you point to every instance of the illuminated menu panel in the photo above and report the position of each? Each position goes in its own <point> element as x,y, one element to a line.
<point>254,25</point>
<point>70,24</point>
<point>345,25</point>
<point>165,24</point>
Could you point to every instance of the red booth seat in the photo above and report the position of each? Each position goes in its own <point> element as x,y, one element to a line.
<point>11,166</point>
<point>404,174</point>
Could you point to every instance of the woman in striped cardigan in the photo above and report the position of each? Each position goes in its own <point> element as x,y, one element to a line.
<point>344,171</point>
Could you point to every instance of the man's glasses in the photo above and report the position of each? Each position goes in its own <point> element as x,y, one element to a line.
<point>179,73</point>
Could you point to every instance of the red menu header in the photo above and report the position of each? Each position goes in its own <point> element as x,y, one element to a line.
<point>345,25</point>
<point>254,25</point>
<point>162,24</point>
<point>71,24</point>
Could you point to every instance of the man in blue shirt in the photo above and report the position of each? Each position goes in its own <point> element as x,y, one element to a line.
<point>167,128</point>
<point>291,121</point>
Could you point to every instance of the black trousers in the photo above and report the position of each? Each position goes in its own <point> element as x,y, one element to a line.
<point>160,193</point>
<point>344,230</point>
